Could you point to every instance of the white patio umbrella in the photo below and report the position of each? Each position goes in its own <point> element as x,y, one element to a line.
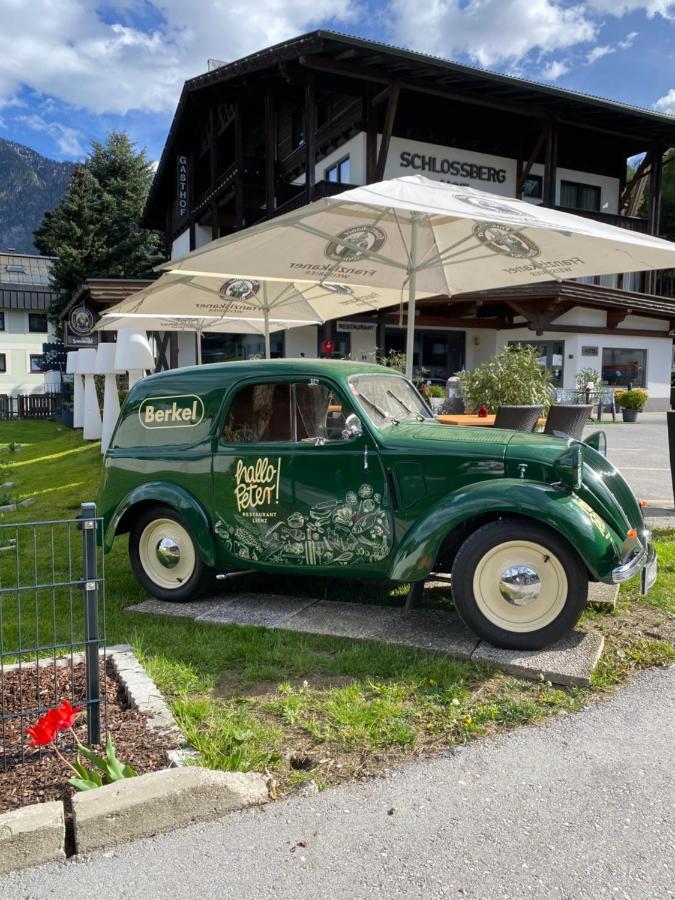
<point>426,238</point>
<point>200,325</point>
<point>242,305</point>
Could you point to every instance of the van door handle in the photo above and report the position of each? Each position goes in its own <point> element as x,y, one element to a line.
<point>365,459</point>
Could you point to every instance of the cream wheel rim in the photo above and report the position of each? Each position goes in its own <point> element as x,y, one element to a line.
<point>167,553</point>
<point>520,586</point>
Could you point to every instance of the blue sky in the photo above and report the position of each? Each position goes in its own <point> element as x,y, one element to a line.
<point>71,70</point>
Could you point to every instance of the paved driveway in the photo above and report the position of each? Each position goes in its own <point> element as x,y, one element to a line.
<point>582,807</point>
<point>640,451</point>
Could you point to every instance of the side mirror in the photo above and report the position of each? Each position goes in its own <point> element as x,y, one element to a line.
<point>598,441</point>
<point>353,427</point>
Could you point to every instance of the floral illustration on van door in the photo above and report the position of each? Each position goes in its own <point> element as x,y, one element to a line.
<point>354,529</point>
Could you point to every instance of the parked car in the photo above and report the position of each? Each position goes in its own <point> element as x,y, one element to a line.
<point>337,468</point>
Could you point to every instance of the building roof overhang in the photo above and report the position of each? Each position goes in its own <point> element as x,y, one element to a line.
<point>361,59</point>
<point>104,292</point>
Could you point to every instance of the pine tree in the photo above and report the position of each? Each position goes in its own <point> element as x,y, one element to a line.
<point>94,230</point>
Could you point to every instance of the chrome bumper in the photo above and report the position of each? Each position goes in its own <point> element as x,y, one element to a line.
<point>633,566</point>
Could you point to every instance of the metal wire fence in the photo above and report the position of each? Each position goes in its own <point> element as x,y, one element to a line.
<point>52,626</point>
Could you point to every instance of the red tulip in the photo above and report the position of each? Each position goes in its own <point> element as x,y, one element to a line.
<point>63,717</point>
<point>42,733</point>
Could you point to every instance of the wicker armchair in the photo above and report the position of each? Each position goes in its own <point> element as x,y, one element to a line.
<point>568,419</point>
<point>518,418</point>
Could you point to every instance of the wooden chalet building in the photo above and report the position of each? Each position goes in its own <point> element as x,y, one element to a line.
<point>317,114</point>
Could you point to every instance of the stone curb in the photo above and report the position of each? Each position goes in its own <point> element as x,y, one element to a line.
<point>603,596</point>
<point>160,801</point>
<point>31,836</point>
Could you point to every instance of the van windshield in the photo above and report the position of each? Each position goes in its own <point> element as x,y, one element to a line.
<point>388,399</point>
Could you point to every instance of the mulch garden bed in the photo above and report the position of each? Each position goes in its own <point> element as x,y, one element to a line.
<point>40,775</point>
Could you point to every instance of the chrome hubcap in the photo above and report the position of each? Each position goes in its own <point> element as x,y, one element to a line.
<point>168,553</point>
<point>519,585</point>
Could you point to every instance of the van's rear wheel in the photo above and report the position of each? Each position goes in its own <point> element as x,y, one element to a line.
<point>518,585</point>
<point>165,557</point>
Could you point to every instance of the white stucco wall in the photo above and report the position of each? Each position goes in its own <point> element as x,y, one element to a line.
<point>17,344</point>
<point>301,341</point>
<point>181,245</point>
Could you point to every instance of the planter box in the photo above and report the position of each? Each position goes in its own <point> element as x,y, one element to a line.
<point>630,415</point>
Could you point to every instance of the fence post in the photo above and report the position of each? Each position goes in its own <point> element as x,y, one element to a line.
<point>88,517</point>
<point>670,416</point>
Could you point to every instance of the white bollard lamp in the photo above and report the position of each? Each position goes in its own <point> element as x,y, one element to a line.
<point>105,365</point>
<point>72,362</point>
<point>92,413</point>
<point>133,355</point>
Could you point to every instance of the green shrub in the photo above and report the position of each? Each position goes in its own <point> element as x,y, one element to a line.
<point>435,390</point>
<point>589,376</point>
<point>512,377</point>
<point>635,398</point>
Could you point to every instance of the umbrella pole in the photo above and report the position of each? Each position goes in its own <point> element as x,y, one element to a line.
<point>412,273</point>
<point>267,333</point>
<point>198,337</point>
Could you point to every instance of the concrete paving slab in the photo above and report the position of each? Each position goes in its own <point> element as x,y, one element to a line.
<point>569,661</point>
<point>270,610</point>
<point>435,630</point>
<point>603,595</point>
<point>181,610</point>
<point>160,801</point>
<point>31,836</point>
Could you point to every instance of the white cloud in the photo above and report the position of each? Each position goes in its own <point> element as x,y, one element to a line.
<point>651,8</point>
<point>628,41</point>
<point>89,53</point>
<point>491,31</point>
<point>598,52</point>
<point>666,104</point>
<point>70,141</point>
<point>554,70</point>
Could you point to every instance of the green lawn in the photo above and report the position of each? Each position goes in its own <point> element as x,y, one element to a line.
<point>297,706</point>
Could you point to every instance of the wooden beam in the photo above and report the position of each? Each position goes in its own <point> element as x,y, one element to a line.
<point>589,329</point>
<point>239,163</point>
<point>370,118</point>
<point>655,180</point>
<point>616,316</point>
<point>629,186</point>
<point>270,155</point>
<point>310,138</point>
<point>531,161</point>
<point>550,163</point>
<point>387,129</point>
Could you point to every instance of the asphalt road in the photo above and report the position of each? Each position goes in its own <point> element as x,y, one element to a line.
<point>582,807</point>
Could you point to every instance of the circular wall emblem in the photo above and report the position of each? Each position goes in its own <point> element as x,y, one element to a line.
<point>368,237</point>
<point>239,289</point>
<point>505,240</point>
<point>491,205</point>
<point>81,320</point>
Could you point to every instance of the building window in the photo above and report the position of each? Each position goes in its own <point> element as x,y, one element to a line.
<point>621,367</point>
<point>2,321</point>
<point>339,171</point>
<point>37,322</point>
<point>533,187</point>
<point>574,195</point>
<point>14,267</point>
<point>35,363</point>
<point>3,362</point>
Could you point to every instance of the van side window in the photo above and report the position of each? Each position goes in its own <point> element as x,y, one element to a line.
<point>304,411</point>
<point>260,413</point>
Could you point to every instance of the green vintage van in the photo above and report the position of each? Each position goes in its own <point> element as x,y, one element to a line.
<point>339,469</point>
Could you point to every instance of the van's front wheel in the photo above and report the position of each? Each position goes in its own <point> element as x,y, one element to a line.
<point>519,585</point>
<point>165,557</point>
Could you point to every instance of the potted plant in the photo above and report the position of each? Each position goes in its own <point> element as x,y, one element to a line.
<point>512,377</point>
<point>435,396</point>
<point>631,402</point>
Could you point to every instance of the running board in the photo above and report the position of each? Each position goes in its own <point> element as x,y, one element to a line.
<point>439,576</point>
<point>223,576</point>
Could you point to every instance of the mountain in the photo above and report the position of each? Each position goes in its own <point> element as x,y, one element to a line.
<point>30,184</point>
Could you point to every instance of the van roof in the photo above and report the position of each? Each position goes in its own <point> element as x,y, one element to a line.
<point>244,368</point>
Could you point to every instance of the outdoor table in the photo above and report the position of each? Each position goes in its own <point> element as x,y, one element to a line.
<point>473,420</point>
<point>466,419</point>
